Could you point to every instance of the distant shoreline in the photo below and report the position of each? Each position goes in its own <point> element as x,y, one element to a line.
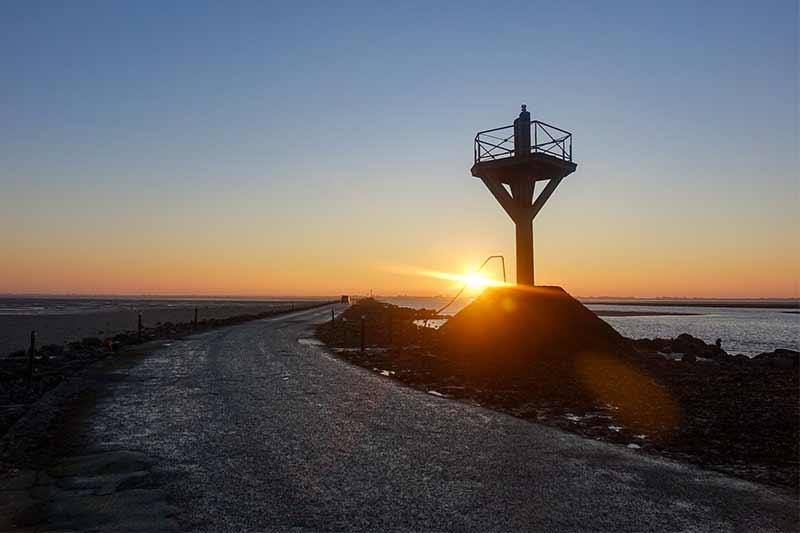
<point>767,303</point>
<point>642,313</point>
<point>742,304</point>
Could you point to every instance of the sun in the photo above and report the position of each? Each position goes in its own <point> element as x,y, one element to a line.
<point>472,281</point>
<point>477,281</point>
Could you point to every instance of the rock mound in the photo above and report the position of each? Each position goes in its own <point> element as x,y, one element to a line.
<point>516,329</point>
<point>780,358</point>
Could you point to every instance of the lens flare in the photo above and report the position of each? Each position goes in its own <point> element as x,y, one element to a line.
<point>476,280</point>
<point>473,280</point>
<point>642,404</point>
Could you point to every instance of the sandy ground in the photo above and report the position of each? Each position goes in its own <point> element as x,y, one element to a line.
<point>62,328</point>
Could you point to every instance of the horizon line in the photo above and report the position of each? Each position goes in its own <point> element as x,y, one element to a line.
<point>324,296</point>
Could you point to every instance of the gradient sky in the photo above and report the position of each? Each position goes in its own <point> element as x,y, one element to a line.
<point>277,149</point>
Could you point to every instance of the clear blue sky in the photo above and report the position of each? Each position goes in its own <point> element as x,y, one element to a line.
<point>294,147</point>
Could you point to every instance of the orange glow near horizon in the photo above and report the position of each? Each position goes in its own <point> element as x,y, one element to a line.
<point>232,257</point>
<point>126,273</point>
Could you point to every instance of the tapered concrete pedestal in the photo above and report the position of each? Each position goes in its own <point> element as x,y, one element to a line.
<point>517,328</point>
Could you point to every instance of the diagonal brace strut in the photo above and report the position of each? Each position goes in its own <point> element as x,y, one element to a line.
<point>520,206</point>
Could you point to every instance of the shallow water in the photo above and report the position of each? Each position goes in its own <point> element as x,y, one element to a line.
<point>742,330</point>
<point>749,331</point>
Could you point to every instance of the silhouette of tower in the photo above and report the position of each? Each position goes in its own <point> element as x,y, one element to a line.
<point>510,163</point>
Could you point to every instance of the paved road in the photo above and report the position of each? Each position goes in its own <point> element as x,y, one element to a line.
<point>255,428</point>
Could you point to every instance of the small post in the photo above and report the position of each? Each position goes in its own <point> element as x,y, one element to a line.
<point>195,317</point>
<point>140,326</point>
<point>333,317</point>
<point>363,331</point>
<point>31,352</point>
<point>389,322</point>
<point>344,332</point>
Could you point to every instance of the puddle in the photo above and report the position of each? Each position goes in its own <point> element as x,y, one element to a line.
<point>434,393</point>
<point>633,446</point>
<point>311,342</point>
<point>433,323</point>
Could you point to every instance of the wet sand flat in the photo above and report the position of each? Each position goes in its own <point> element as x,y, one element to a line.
<point>62,328</point>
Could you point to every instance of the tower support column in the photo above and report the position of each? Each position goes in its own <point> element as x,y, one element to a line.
<point>522,193</point>
<point>524,236</point>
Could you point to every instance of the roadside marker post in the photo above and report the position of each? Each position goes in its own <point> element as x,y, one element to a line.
<point>31,352</point>
<point>389,325</point>
<point>140,326</point>
<point>363,331</point>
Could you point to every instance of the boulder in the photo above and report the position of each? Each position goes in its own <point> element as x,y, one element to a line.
<point>722,357</point>
<point>51,350</point>
<point>92,342</point>
<point>780,358</point>
<point>686,344</point>
<point>652,345</point>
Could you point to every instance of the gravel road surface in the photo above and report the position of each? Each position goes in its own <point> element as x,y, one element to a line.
<point>257,428</point>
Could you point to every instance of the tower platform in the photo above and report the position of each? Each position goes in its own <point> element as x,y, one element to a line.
<point>536,166</point>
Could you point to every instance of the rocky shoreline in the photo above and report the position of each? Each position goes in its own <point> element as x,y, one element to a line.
<point>679,398</point>
<point>53,364</point>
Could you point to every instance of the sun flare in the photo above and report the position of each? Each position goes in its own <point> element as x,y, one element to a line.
<point>476,281</point>
<point>472,282</point>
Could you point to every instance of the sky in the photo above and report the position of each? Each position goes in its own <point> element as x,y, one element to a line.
<point>297,148</point>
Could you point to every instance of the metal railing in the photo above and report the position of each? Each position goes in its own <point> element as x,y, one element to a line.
<point>461,290</point>
<point>498,143</point>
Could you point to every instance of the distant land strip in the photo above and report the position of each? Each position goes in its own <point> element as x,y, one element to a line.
<point>607,312</point>
<point>759,304</point>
